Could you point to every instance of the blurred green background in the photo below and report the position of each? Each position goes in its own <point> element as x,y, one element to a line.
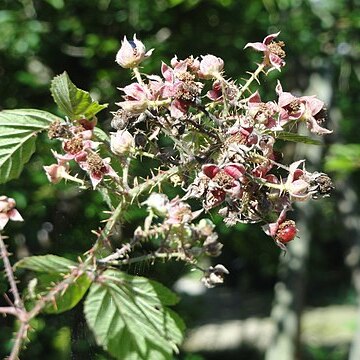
<point>40,39</point>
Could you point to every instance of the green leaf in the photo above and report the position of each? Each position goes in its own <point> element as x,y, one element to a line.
<point>73,102</point>
<point>129,317</point>
<point>18,130</point>
<point>64,300</point>
<point>288,136</point>
<point>46,264</point>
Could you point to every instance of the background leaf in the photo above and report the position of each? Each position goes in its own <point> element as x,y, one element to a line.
<point>46,264</point>
<point>129,319</point>
<point>18,130</point>
<point>73,102</point>
<point>343,158</point>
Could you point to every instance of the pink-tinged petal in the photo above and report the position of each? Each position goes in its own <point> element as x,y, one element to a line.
<point>315,128</point>
<point>235,192</point>
<point>271,178</point>
<point>80,157</point>
<point>293,168</point>
<point>95,179</point>
<point>254,99</point>
<point>110,172</point>
<point>4,218</point>
<point>278,88</point>
<point>14,215</point>
<point>270,38</point>
<point>167,72</point>
<point>276,61</point>
<point>87,134</point>
<point>257,46</point>
<point>134,91</point>
<point>210,170</point>
<point>270,229</point>
<point>236,171</point>
<point>315,105</point>
<point>178,109</point>
<point>297,174</point>
<point>180,67</point>
<point>285,98</point>
<point>174,61</point>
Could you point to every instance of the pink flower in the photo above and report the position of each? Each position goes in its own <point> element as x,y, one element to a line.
<point>179,212</point>
<point>136,98</point>
<point>296,184</point>
<point>76,149</point>
<point>8,211</point>
<point>210,67</point>
<point>224,180</point>
<point>306,108</point>
<point>273,52</point>
<point>215,93</point>
<point>131,53</point>
<point>264,113</point>
<point>97,168</point>
<point>56,172</point>
<point>179,87</point>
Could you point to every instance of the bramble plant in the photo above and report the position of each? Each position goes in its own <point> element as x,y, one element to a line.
<point>221,154</point>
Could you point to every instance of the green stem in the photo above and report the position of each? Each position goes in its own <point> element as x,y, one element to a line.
<point>138,75</point>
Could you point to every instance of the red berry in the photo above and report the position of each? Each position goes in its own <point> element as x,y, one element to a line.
<point>286,231</point>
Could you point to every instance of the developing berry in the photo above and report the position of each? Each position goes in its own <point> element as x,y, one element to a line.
<point>286,231</point>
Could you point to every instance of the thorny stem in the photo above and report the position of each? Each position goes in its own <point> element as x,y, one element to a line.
<point>253,77</point>
<point>147,257</point>
<point>18,309</point>
<point>128,197</point>
<point>10,274</point>
<point>223,89</point>
<point>61,286</point>
<point>20,337</point>
<point>125,174</point>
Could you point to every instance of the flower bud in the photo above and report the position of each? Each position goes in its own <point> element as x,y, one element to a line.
<point>210,67</point>
<point>55,172</point>
<point>131,53</point>
<point>214,275</point>
<point>158,204</point>
<point>121,142</point>
<point>8,211</point>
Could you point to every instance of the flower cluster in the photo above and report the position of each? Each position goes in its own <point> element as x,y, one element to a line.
<point>77,145</point>
<point>229,137</point>
<point>213,138</point>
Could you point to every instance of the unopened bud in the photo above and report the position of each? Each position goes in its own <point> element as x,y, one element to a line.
<point>210,67</point>
<point>121,142</point>
<point>131,53</point>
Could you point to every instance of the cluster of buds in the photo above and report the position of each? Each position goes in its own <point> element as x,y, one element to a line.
<point>171,223</point>
<point>77,145</point>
